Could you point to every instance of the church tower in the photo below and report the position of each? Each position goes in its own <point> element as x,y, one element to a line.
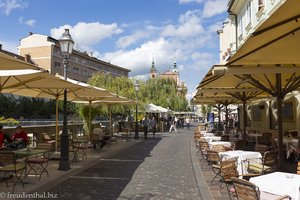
<point>175,69</point>
<point>153,72</point>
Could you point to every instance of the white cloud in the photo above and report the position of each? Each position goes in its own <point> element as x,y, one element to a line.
<point>125,41</point>
<point>189,25</point>
<point>139,59</point>
<point>88,34</point>
<point>190,1</point>
<point>9,5</point>
<point>30,22</point>
<point>214,7</point>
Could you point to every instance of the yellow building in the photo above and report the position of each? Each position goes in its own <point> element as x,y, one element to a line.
<point>45,51</point>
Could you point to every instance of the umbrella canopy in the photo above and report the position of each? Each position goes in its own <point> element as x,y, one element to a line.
<point>274,51</point>
<point>10,63</point>
<point>232,88</point>
<point>275,41</point>
<point>152,108</point>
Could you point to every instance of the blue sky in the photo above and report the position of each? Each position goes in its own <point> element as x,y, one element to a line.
<point>128,33</point>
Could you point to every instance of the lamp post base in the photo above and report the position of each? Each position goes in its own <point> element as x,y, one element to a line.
<point>64,164</point>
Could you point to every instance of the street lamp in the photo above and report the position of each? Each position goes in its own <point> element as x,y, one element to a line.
<point>136,89</point>
<point>66,47</point>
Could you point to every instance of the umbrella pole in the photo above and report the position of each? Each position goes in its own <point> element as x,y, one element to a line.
<point>56,125</point>
<point>279,99</point>
<point>110,120</point>
<point>244,122</point>
<point>90,117</point>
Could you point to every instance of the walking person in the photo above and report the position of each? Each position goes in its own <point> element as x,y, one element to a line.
<point>153,125</point>
<point>145,124</point>
<point>173,126</point>
<point>187,121</point>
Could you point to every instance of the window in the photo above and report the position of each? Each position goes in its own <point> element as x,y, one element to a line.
<point>85,73</point>
<point>56,52</point>
<point>248,13</point>
<point>57,65</point>
<point>76,70</point>
<point>83,61</point>
<point>261,4</point>
<point>240,25</point>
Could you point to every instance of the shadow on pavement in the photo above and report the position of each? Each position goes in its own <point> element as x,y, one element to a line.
<point>107,178</point>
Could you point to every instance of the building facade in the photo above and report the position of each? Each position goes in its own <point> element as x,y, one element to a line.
<point>45,51</point>
<point>244,18</point>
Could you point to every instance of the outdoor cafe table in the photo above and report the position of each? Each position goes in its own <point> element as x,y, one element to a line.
<point>208,134</point>
<point>242,157</point>
<point>224,143</point>
<point>279,183</point>
<point>212,138</point>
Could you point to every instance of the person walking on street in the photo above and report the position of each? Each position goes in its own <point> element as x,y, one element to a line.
<point>145,124</point>
<point>187,121</point>
<point>153,125</point>
<point>173,126</point>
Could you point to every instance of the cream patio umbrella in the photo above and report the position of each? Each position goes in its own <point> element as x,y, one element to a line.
<point>45,85</point>
<point>273,51</point>
<point>225,84</point>
<point>10,63</point>
<point>275,41</point>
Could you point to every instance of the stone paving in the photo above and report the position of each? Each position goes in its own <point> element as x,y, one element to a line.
<point>164,167</point>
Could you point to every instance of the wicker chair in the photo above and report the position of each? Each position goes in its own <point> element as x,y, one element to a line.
<point>298,168</point>
<point>228,170</point>
<point>245,190</point>
<point>214,160</point>
<point>266,165</point>
<point>203,147</point>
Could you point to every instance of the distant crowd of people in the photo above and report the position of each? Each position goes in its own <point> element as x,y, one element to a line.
<point>18,140</point>
<point>172,122</point>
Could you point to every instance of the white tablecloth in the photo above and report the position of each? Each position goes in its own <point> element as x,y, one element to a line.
<point>212,138</point>
<point>242,156</point>
<point>208,134</point>
<point>226,144</point>
<point>279,183</point>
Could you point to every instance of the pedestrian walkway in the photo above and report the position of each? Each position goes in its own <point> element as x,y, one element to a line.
<point>164,167</point>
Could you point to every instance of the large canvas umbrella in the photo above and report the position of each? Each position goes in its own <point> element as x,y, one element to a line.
<point>10,63</point>
<point>273,52</point>
<point>216,84</point>
<point>275,41</point>
<point>34,83</point>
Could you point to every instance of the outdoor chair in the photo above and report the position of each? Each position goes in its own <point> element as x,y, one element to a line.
<point>298,168</point>
<point>47,138</point>
<point>239,145</point>
<point>10,165</point>
<point>203,147</point>
<point>245,190</point>
<point>228,170</point>
<point>225,138</point>
<point>266,165</point>
<point>214,160</point>
<point>38,164</point>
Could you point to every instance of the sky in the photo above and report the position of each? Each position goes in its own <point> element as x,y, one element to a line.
<point>128,33</point>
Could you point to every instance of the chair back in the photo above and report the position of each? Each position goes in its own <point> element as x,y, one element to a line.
<point>225,138</point>
<point>298,168</point>
<point>213,157</point>
<point>229,169</point>
<point>245,190</point>
<point>7,158</point>
<point>270,160</point>
<point>219,148</point>
<point>239,145</point>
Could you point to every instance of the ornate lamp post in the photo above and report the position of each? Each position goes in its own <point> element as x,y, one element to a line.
<point>136,88</point>
<point>66,47</point>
